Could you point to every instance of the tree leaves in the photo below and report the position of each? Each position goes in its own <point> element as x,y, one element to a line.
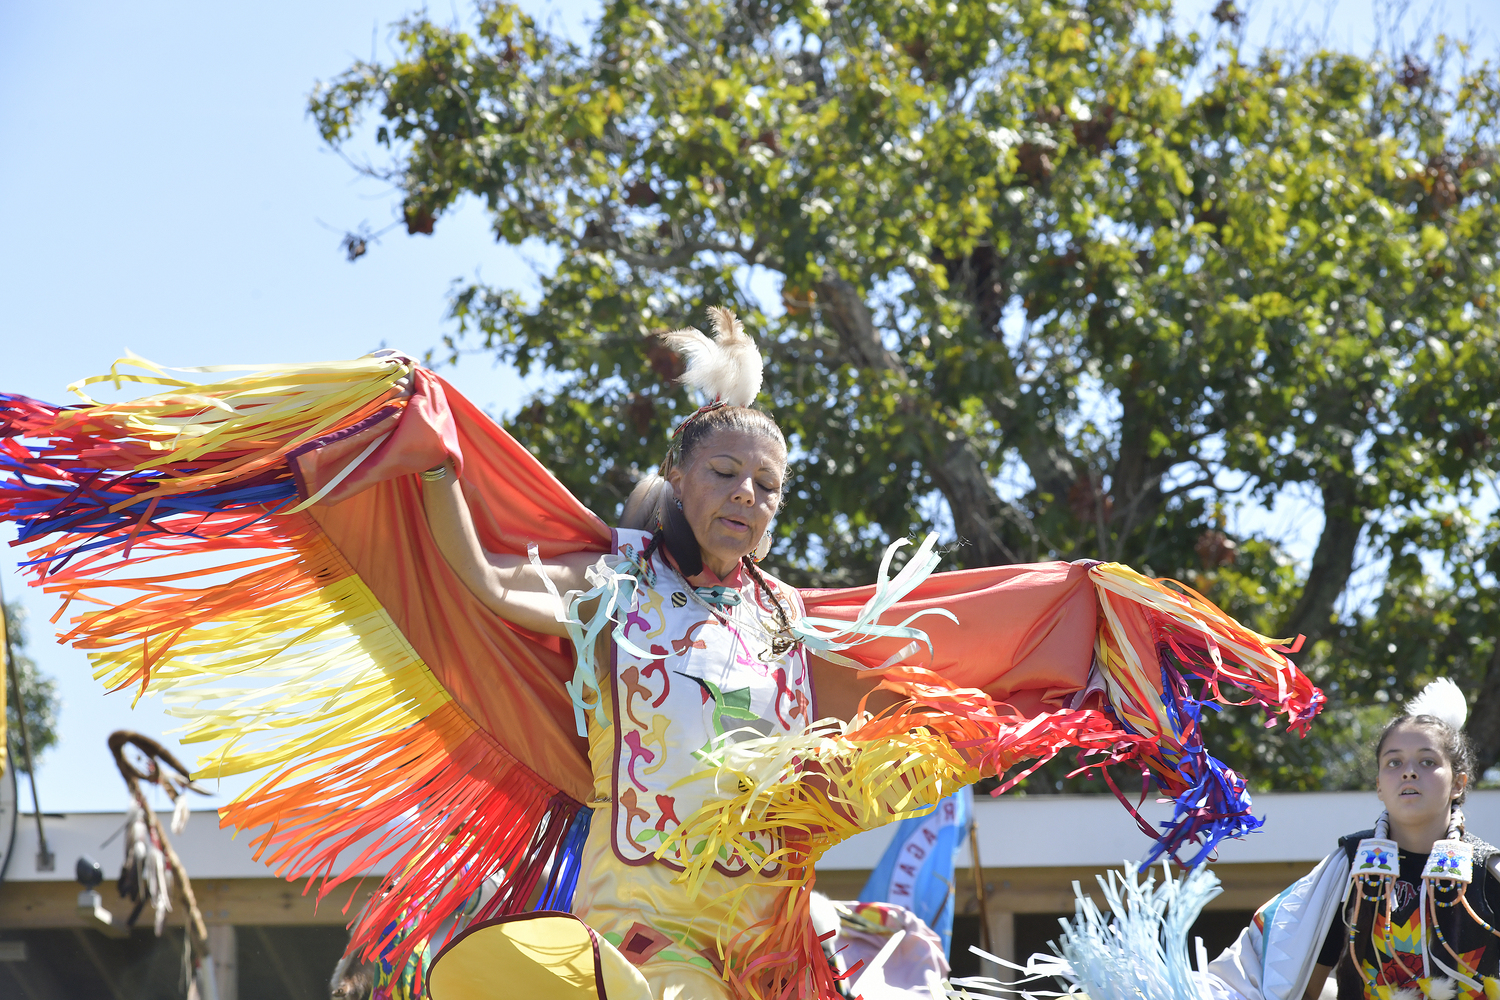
<point>1052,275</point>
<point>37,696</point>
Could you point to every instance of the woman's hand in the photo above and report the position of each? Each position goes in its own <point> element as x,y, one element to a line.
<point>406,384</point>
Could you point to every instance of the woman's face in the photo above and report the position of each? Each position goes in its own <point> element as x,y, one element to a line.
<point>1416,783</point>
<point>730,489</point>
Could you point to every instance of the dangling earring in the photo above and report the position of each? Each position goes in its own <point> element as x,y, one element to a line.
<point>763,547</point>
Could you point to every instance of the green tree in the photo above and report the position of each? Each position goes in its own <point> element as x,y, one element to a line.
<point>37,697</point>
<point>1051,274</point>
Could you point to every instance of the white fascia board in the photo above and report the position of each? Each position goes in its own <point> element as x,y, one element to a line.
<point>1049,831</point>
<point>206,851</point>
<point>1035,831</point>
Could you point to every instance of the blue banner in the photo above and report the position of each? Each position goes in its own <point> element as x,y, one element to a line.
<point>916,871</point>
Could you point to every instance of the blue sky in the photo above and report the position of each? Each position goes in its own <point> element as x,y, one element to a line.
<point>166,194</point>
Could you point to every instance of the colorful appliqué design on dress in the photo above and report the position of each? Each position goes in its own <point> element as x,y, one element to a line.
<point>708,680</point>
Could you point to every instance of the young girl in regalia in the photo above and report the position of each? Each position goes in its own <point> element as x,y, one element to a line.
<point>592,760</point>
<point>1403,911</point>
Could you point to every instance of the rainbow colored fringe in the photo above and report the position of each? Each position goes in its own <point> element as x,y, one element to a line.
<point>818,788</point>
<point>285,663</point>
<point>1154,638</point>
<point>278,654</point>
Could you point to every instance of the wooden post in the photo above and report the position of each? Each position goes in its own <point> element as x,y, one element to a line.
<point>221,939</point>
<point>986,941</point>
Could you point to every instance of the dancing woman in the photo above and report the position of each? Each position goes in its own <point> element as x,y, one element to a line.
<point>702,648</point>
<point>640,748</point>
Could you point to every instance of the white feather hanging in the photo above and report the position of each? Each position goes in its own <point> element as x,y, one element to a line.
<point>1442,989</point>
<point>1443,700</point>
<point>727,368</point>
<point>180,814</point>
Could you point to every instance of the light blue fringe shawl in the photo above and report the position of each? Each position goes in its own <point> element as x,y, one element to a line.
<point>1137,950</point>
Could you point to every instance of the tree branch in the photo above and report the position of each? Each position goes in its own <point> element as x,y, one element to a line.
<point>842,307</point>
<point>957,470</point>
<point>973,502</point>
<point>1333,560</point>
<point>1484,718</point>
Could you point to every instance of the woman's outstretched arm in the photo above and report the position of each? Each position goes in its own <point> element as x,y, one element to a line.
<point>840,689</point>
<point>508,585</point>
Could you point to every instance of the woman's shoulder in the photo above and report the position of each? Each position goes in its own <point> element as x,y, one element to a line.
<point>630,542</point>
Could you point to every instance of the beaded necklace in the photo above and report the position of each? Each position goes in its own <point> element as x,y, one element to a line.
<point>1372,879</point>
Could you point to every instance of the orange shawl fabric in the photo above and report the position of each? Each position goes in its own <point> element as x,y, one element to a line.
<point>409,726</point>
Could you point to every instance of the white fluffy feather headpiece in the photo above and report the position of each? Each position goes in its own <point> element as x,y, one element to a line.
<point>728,368</point>
<point>1442,699</point>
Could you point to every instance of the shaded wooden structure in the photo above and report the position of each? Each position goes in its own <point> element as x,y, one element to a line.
<point>278,943</point>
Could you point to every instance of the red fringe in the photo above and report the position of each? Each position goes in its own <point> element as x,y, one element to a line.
<point>994,743</point>
<point>789,963</point>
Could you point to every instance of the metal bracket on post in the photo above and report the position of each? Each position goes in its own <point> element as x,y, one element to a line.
<point>91,908</point>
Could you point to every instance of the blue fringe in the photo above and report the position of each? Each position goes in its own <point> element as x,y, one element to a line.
<point>565,869</point>
<point>84,507</point>
<point>1217,805</point>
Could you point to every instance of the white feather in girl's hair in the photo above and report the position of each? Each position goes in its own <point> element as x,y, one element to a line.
<point>1407,993</point>
<point>728,367</point>
<point>1441,699</point>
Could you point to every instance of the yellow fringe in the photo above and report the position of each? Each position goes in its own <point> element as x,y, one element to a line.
<point>293,655</point>
<point>821,783</point>
<point>1245,657</point>
<point>328,668</point>
<point>257,419</point>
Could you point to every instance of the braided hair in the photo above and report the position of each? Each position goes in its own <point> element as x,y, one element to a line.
<point>783,639</point>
